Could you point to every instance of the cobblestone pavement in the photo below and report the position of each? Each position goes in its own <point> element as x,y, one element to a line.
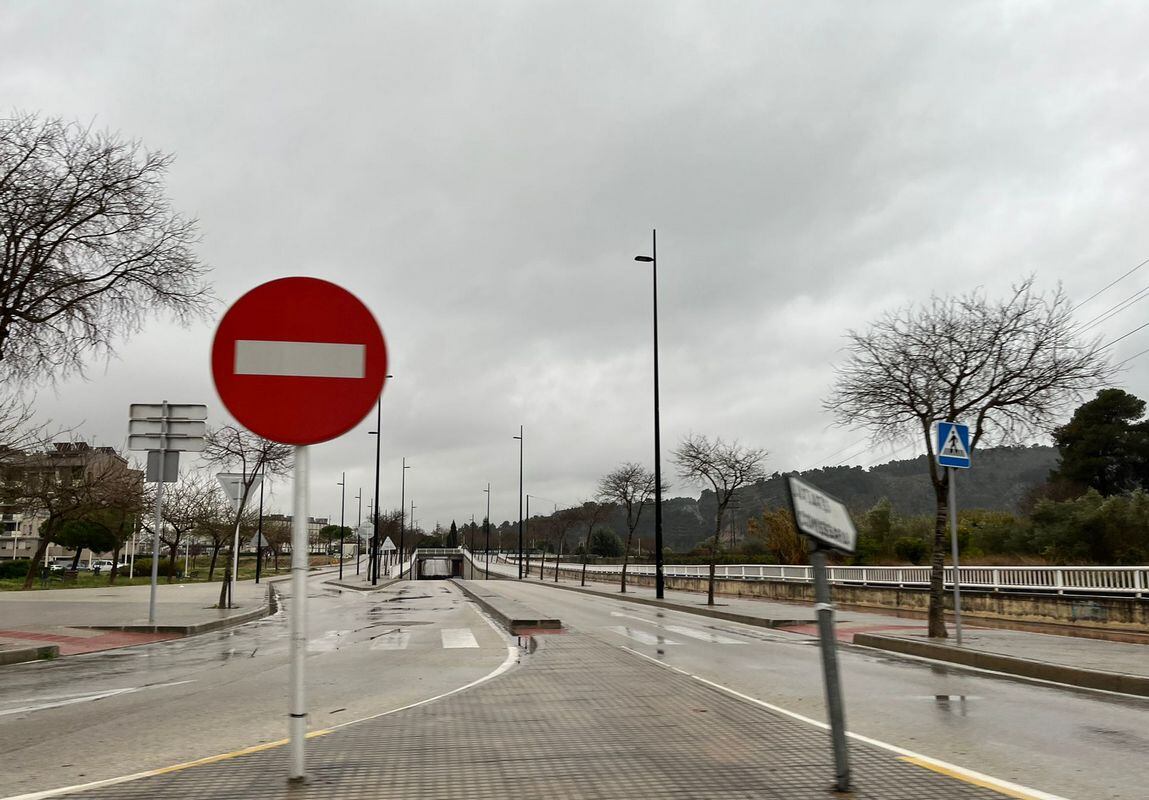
<point>577,719</point>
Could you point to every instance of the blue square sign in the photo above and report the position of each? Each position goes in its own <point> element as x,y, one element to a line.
<point>953,445</point>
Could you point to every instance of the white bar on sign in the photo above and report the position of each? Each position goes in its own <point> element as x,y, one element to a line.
<point>300,359</point>
<point>190,444</point>
<point>175,411</point>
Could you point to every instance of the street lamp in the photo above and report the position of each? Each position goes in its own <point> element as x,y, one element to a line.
<point>487,533</point>
<point>520,438</point>
<point>402,506</point>
<point>373,562</point>
<point>652,259</point>
<point>358,522</point>
<point>342,505</point>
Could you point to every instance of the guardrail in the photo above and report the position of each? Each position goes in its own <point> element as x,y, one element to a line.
<point>1120,581</point>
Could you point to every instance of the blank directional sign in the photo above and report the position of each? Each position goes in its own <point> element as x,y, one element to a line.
<point>820,516</point>
<point>182,444</point>
<point>175,411</point>
<point>953,445</point>
<point>175,427</point>
<point>299,360</point>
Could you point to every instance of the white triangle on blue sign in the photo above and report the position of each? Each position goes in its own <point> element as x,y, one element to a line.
<point>954,447</point>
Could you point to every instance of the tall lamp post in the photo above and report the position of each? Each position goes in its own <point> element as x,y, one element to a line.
<point>342,506</point>
<point>402,508</point>
<point>358,522</point>
<point>373,560</point>
<point>487,534</point>
<point>520,438</point>
<point>659,585</point>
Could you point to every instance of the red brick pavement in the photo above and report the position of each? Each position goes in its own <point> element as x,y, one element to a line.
<point>87,641</point>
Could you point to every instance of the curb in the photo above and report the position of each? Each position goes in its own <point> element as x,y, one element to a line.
<point>704,611</point>
<point>265,610</point>
<point>354,588</point>
<point>19,655</point>
<point>516,617</point>
<point>1012,665</point>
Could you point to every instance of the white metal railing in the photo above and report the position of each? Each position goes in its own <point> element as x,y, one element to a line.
<point>1129,581</point>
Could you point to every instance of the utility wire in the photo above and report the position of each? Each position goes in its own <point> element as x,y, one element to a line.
<point>1110,285</point>
<point>1113,310</point>
<point>1123,336</point>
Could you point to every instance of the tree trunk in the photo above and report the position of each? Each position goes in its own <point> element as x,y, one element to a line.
<point>586,552</point>
<point>115,563</point>
<point>225,586</point>
<point>937,611</point>
<point>542,562</point>
<point>173,554</point>
<point>37,560</point>
<point>626,558</point>
<point>714,559</point>
<point>214,556</point>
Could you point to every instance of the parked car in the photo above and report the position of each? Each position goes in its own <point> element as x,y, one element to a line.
<point>105,565</point>
<point>60,564</point>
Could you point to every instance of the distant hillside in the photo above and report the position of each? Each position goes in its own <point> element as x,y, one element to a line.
<point>999,480</point>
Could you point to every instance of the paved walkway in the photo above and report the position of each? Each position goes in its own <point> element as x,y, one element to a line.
<point>1068,651</point>
<point>72,618</point>
<point>577,719</point>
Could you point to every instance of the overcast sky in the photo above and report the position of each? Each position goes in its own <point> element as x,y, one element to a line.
<point>482,174</point>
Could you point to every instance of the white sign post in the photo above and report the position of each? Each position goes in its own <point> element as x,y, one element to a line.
<point>826,521</point>
<point>953,453</point>
<point>163,430</point>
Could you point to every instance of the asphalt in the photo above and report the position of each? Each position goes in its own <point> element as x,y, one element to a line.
<point>1074,661</point>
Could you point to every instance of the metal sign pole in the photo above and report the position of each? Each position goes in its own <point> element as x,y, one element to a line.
<point>829,649</point>
<point>954,548</point>
<point>297,726</point>
<point>159,515</point>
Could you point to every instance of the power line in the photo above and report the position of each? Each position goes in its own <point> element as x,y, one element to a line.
<point>1126,361</point>
<point>1124,335</point>
<point>1113,310</point>
<point>1110,285</point>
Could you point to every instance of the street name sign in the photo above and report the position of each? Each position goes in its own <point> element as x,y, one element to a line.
<point>820,516</point>
<point>299,360</point>
<point>953,445</point>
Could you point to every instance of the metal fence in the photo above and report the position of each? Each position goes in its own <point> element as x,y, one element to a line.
<point>1125,581</point>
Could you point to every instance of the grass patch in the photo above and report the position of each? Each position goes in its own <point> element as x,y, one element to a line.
<point>197,573</point>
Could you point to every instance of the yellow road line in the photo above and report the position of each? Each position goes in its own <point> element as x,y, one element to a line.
<point>961,775</point>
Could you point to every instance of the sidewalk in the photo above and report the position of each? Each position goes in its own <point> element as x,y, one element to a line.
<point>576,719</point>
<point>1086,663</point>
<point>86,620</point>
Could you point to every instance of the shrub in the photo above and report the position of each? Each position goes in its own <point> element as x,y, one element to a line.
<point>909,548</point>
<point>17,568</point>
<point>144,567</point>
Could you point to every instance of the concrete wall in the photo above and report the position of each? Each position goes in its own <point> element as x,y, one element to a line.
<point>1108,613</point>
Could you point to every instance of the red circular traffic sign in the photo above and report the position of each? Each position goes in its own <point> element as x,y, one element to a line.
<point>298,360</point>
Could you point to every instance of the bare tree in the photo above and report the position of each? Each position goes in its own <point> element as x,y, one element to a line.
<point>592,514</point>
<point>90,245</point>
<point>631,486</point>
<point>61,488</point>
<point>1007,368</point>
<point>229,447</point>
<point>727,468</point>
<point>188,505</point>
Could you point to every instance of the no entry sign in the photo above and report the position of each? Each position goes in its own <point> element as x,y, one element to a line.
<point>298,360</point>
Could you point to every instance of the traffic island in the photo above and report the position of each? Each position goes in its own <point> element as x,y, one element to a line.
<point>20,655</point>
<point>518,618</point>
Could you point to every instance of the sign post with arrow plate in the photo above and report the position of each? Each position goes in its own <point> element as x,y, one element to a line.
<point>827,523</point>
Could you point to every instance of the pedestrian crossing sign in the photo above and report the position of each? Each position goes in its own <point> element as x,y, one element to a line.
<point>953,445</point>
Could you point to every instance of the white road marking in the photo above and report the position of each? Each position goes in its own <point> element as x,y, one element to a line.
<point>86,697</point>
<point>703,636</point>
<point>328,642</point>
<point>640,636</point>
<point>300,359</point>
<point>395,640</point>
<point>1016,790</point>
<point>458,637</point>
<point>693,633</point>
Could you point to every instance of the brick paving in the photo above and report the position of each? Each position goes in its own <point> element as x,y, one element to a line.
<point>577,719</point>
<point>73,641</point>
